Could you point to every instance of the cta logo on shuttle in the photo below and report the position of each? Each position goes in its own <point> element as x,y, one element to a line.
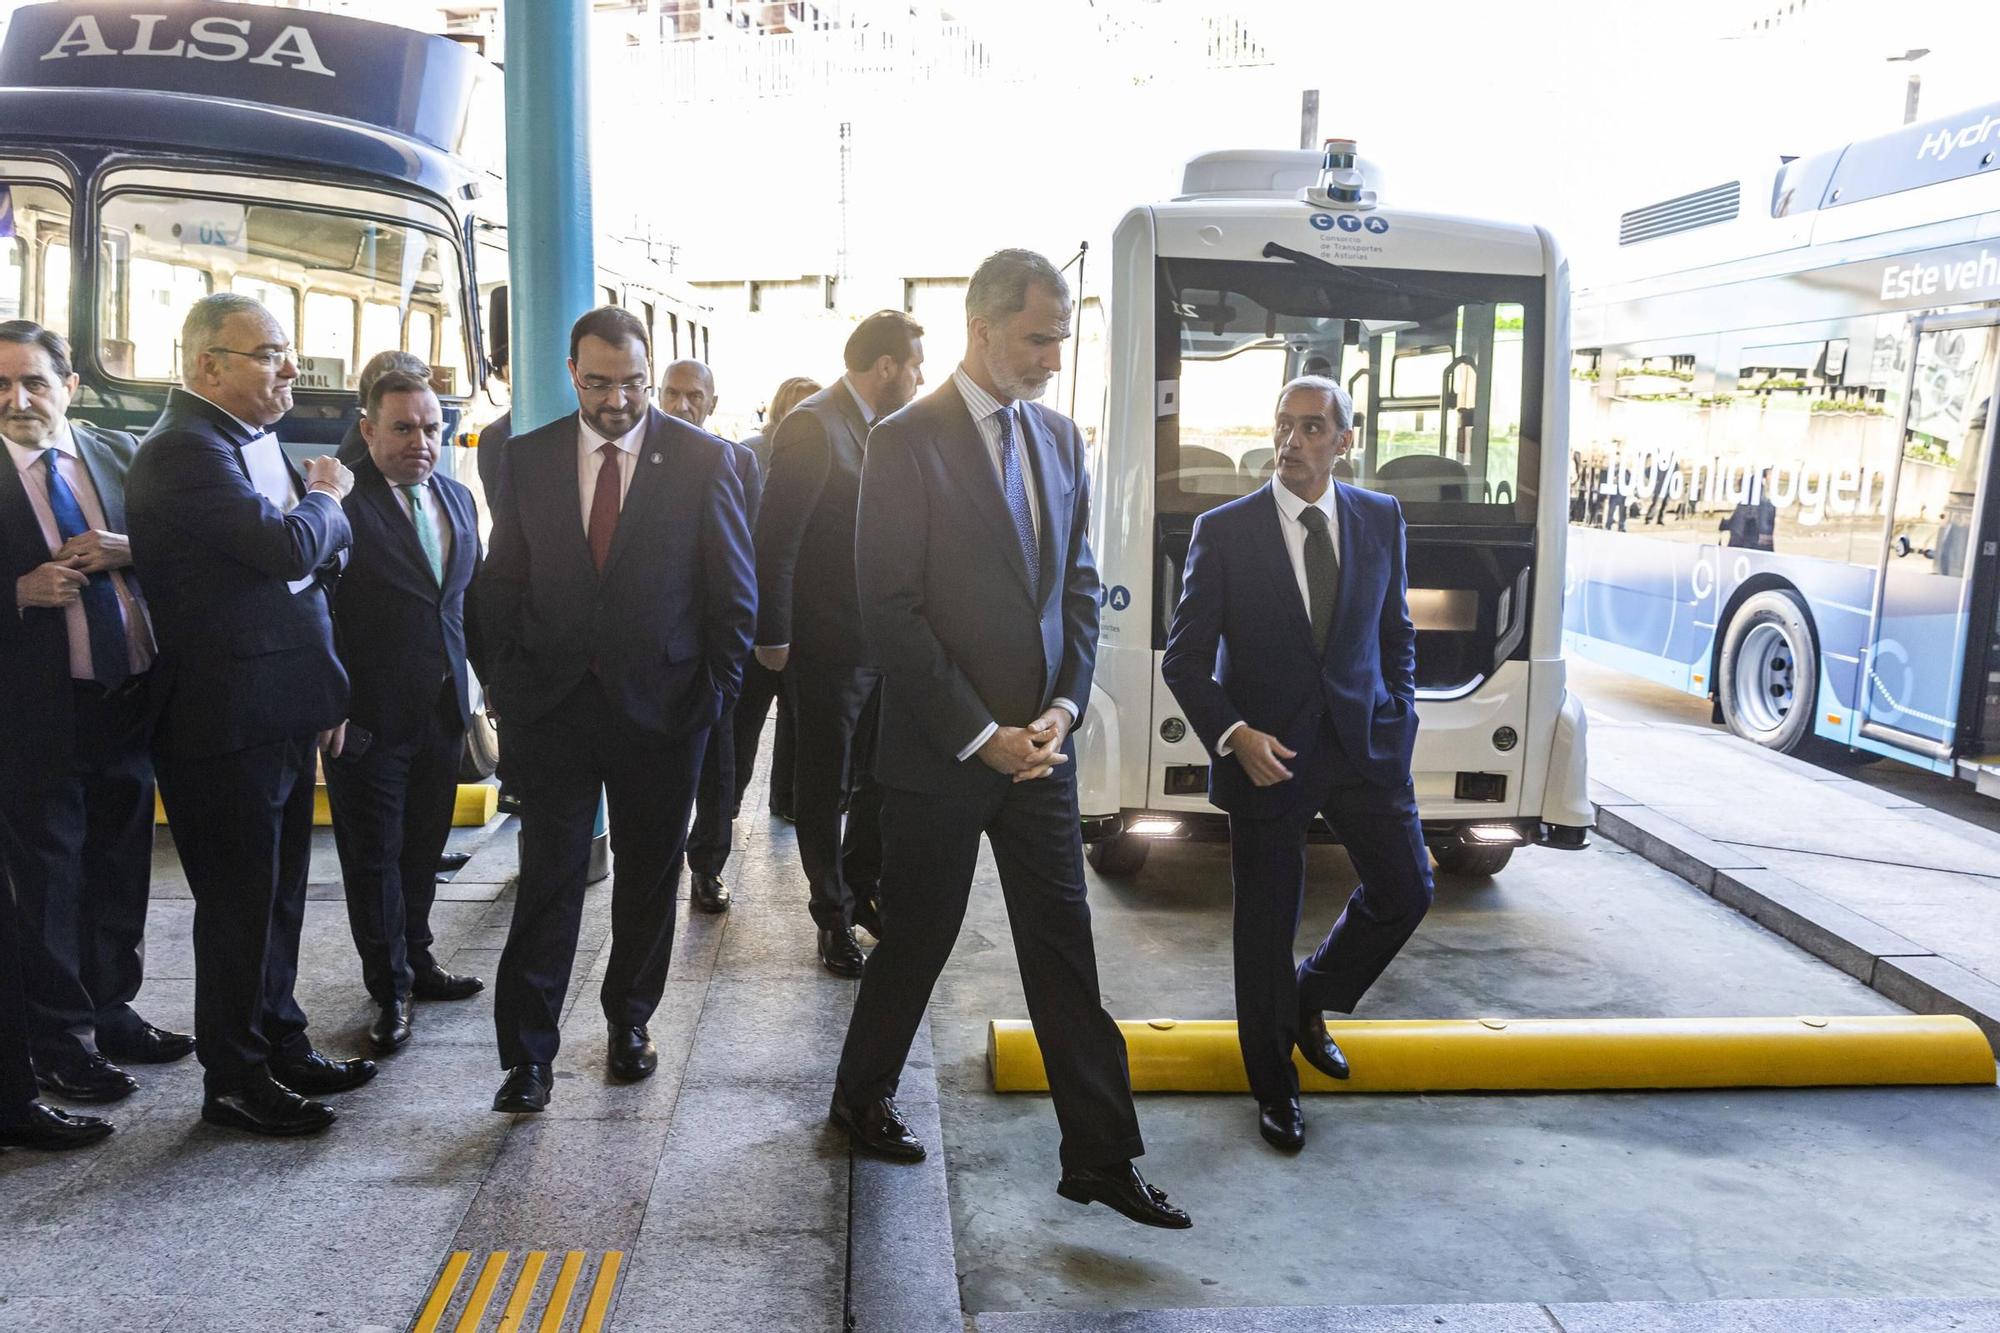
<point>223,40</point>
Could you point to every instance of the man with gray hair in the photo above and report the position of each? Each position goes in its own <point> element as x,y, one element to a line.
<point>238,547</point>
<point>1293,656</point>
<point>979,596</point>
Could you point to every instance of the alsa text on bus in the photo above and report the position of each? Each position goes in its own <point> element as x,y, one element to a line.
<point>212,38</point>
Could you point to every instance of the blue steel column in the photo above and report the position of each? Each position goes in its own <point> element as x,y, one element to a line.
<point>550,225</point>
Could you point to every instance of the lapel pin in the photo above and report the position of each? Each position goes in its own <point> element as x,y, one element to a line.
<point>652,458</point>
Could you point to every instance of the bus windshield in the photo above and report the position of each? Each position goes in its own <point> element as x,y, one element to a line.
<point>342,285</point>
<point>1444,369</point>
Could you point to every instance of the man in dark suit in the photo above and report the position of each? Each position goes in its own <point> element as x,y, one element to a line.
<point>354,445</point>
<point>616,605</point>
<point>979,598</point>
<point>237,549</point>
<point>1293,656</point>
<point>76,778</point>
<point>399,617</point>
<point>24,1121</point>
<point>687,391</point>
<point>809,625</point>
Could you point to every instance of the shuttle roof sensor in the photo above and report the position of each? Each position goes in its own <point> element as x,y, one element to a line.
<point>1340,181</point>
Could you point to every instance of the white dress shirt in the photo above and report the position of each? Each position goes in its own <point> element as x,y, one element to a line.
<point>588,442</point>
<point>32,467</point>
<point>1290,507</point>
<point>986,410</point>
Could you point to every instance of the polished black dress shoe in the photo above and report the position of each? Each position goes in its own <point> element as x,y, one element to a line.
<point>452,862</point>
<point>391,1027</point>
<point>50,1130</point>
<point>145,1045</point>
<point>839,954</point>
<point>1124,1190</point>
<point>632,1055</point>
<point>526,1089</point>
<point>868,914</point>
<point>265,1106</point>
<point>1316,1044</point>
<point>1282,1124</point>
<point>708,893</point>
<point>878,1128</point>
<point>317,1076</point>
<point>85,1078</point>
<point>434,983</point>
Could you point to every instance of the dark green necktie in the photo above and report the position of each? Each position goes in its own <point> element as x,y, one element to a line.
<point>1322,573</point>
<point>426,534</point>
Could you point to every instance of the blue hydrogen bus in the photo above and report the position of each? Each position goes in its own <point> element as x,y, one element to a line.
<point>1781,489</point>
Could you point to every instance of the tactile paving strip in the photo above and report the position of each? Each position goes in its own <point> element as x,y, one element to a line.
<point>541,1296</point>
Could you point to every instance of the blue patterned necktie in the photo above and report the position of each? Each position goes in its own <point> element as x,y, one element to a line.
<point>110,660</point>
<point>1015,487</point>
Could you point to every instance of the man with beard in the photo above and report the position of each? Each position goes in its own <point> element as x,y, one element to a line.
<point>979,597</point>
<point>616,605</point>
<point>809,624</point>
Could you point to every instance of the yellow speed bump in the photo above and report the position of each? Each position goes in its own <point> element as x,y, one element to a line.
<point>475,807</point>
<point>1547,1054</point>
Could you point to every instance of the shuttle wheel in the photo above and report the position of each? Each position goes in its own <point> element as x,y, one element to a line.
<point>1119,856</point>
<point>1769,672</point>
<point>1472,862</point>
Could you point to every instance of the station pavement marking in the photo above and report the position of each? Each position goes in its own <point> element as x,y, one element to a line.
<point>520,1300</point>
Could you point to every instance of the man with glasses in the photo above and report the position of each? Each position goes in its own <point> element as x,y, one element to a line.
<point>238,548</point>
<point>616,606</point>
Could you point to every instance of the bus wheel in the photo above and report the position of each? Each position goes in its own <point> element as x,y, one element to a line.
<point>1472,862</point>
<point>1770,672</point>
<point>1119,856</point>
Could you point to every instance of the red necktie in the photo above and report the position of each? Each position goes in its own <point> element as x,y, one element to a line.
<point>604,506</point>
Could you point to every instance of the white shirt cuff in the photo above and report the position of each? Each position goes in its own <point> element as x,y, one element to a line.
<point>770,647</point>
<point>1073,711</point>
<point>978,741</point>
<point>1222,743</point>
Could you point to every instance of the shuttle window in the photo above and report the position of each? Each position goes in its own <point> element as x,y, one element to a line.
<point>329,332</point>
<point>34,255</point>
<point>280,300</point>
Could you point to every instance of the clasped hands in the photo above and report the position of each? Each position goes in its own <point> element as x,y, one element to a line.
<point>1030,752</point>
<point>60,582</point>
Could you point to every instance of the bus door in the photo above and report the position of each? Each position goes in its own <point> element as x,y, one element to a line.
<point>1928,661</point>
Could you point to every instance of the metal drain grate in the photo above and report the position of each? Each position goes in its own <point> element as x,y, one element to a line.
<point>538,1299</point>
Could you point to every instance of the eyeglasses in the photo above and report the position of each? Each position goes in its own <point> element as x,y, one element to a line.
<point>268,358</point>
<point>598,388</point>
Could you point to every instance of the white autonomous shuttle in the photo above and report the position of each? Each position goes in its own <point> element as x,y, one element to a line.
<point>1452,334</point>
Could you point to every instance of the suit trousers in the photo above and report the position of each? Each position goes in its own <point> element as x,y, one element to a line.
<point>715,799</point>
<point>242,824</point>
<point>760,686</point>
<point>930,850</point>
<point>392,810</point>
<point>559,763</point>
<point>835,707</point>
<point>79,850</point>
<point>17,1072</point>
<point>1385,840</point>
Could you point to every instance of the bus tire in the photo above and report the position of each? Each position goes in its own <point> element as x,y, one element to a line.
<point>1119,856</point>
<point>1472,862</point>
<point>1768,677</point>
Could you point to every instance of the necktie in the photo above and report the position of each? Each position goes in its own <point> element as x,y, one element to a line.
<point>604,506</point>
<point>426,534</point>
<point>110,661</point>
<point>1322,573</point>
<point>1015,487</point>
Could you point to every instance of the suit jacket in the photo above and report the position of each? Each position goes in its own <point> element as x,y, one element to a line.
<point>353,445</point>
<point>806,594</point>
<point>243,660</point>
<point>399,632</point>
<point>944,595</point>
<point>36,742</point>
<point>492,442</point>
<point>666,627</point>
<point>1241,647</point>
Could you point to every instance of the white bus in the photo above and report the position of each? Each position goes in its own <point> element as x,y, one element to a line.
<point>1452,335</point>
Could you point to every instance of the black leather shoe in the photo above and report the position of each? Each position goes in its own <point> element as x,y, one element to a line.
<point>85,1078</point>
<point>839,954</point>
<point>265,1106</point>
<point>708,893</point>
<point>434,983</point>
<point>783,812</point>
<point>1282,1124</point>
<point>391,1027</point>
<point>1124,1190</point>
<point>527,1089</point>
<point>145,1045</point>
<point>632,1055</point>
<point>51,1130</point>
<point>868,914</point>
<point>878,1128</point>
<point>317,1076</point>
<point>1316,1044</point>
<point>450,863</point>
